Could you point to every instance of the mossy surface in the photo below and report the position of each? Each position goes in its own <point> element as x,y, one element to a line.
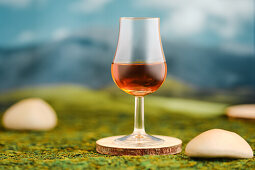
<point>86,116</point>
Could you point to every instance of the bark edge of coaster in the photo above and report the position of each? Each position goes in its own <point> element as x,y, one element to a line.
<point>170,146</point>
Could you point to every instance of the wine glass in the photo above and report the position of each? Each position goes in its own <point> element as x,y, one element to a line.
<point>139,68</point>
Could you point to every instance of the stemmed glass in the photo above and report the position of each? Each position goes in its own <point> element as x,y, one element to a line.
<point>139,68</point>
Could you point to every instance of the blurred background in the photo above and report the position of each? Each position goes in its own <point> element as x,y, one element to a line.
<point>208,44</point>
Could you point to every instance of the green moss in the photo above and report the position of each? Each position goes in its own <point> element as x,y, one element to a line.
<point>189,107</point>
<point>86,115</point>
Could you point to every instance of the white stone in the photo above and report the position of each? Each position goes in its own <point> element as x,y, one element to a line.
<point>246,111</point>
<point>216,143</point>
<point>30,114</point>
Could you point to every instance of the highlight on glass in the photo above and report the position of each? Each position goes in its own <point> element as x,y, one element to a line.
<point>139,68</point>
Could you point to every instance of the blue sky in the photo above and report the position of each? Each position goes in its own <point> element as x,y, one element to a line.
<point>226,23</point>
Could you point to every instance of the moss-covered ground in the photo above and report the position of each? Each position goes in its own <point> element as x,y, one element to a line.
<point>86,115</point>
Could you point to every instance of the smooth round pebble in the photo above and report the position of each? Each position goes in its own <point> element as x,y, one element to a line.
<point>216,143</point>
<point>30,114</point>
<point>246,111</point>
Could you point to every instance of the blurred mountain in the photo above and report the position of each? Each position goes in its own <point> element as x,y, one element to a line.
<point>210,67</point>
<point>87,61</point>
<point>73,60</point>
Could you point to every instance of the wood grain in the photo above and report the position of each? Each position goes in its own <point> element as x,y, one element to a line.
<point>170,145</point>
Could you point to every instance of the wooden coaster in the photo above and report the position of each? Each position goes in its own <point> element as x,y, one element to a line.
<point>170,145</point>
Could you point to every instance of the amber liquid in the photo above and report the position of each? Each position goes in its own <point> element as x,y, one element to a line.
<point>139,79</point>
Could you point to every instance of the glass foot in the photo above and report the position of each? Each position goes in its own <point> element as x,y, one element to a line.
<point>138,140</point>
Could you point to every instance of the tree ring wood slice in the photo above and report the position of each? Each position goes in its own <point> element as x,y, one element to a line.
<point>170,146</point>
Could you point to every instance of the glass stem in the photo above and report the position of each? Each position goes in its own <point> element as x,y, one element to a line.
<point>139,116</point>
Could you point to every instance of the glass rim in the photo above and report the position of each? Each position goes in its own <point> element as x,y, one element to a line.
<point>139,18</point>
